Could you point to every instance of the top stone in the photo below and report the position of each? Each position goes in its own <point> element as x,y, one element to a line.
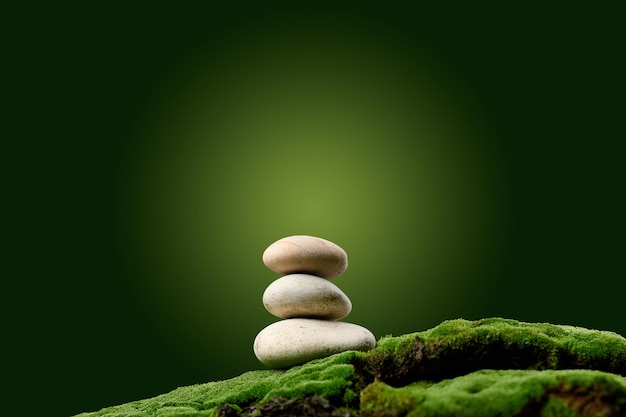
<point>306,255</point>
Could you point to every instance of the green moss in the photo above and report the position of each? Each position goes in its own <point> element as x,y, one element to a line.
<point>489,393</point>
<point>458,347</point>
<point>427,368</point>
<point>330,376</point>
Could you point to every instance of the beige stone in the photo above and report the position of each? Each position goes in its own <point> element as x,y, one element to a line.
<point>307,255</point>
<point>308,296</point>
<point>295,341</point>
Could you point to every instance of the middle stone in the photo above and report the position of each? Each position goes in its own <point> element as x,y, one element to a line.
<point>306,296</point>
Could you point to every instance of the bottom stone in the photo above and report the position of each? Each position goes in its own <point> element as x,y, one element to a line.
<point>295,341</point>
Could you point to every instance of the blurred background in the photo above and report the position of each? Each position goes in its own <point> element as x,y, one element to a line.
<point>467,159</point>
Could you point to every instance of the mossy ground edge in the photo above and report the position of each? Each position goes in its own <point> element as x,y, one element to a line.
<point>401,362</point>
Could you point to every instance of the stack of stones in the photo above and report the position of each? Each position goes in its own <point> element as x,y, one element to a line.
<point>310,303</point>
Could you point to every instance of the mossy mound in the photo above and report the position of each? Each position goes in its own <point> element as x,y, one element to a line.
<point>490,367</point>
<point>332,376</point>
<point>458,347</point>
<point>489,393</point>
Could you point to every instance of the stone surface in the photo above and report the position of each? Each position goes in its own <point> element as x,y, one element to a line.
<point>306,296</point>
<point>295,341</point>
<point>307,255</point>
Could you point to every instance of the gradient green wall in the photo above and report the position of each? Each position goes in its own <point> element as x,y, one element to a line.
<point>465,159</point>
<point>344,131</point>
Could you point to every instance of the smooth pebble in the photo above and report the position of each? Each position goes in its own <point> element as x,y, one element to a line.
<point>307,255</point>
<point>295,341</point>
<point>308,296</point>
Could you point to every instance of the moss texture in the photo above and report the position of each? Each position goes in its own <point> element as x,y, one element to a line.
<point>503,393</point>
<point>458,347</point>
<point>490,367</point>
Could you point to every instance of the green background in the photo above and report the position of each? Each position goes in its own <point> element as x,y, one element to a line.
<point>466,158</point>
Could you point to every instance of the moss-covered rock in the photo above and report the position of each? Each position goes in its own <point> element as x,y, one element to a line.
<point>490,367</point>
<point>458,347</point>
<point>489,393</point>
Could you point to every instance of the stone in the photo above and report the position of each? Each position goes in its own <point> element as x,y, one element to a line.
<point>295,341</point>
<point>306,296</point>
<point>307,255</point>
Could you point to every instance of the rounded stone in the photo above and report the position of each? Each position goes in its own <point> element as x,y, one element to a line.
<point>306,296</point>
<point>295,341</point>
<point>307,255</point>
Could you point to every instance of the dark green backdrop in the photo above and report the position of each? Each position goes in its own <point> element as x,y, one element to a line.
<point>467,159</point>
